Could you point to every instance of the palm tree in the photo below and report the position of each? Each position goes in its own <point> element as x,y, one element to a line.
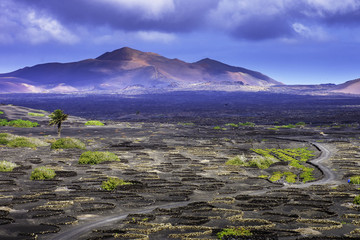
<point>57,117</point>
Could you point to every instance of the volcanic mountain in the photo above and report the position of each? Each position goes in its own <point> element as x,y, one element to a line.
<point>349,87</point>
<point>128,69</point>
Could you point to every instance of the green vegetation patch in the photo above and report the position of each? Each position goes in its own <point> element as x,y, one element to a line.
<point>236,161</point>
<point>228,232</point>
<point>290,177</point>
<point>247,124</point>
<point>16,141</point>
<point>1,112</point>
<point>234,125</point>
<point>262,163</point>
<point>219,128</point>
<point>94,123</point>
<point>21,142</point>
<point>186,123</point>
<point>65,143</point>
<point>42,173</point>
<point>90,157</point>
<point>22,123</point>
<point>259,162</point>
<point>355,180</point>
<point>112,182</point>
<point>6,166</point>
<point>36,114</point>
<point>3,122</point>
<point>296,157</point>
<point>286,126</point>
<point>357,200</point>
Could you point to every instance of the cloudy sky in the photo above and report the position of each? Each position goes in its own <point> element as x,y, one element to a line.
<point>292,41</point>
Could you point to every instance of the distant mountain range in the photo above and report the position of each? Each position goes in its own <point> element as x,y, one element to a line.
<point>131,71</point>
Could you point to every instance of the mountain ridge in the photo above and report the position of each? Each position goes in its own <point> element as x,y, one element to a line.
<point>127,68</point>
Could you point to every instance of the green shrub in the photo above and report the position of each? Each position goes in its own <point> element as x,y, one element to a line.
<point>357,200</point>
<point>236,161</point>
<point>1,112</point>
<point>355,180</point>
<point>232,125</point>
<point>248,124</point>
<point>6,166</point>
<point>36,114</point>
<point>21,142</point>
<point>288,126</point>
<point>64,143</point>
<point>112,182</point>
<point>42,173</point>
<point>290,177</point>
<point>22,123</point>
<point>233,232</point>
<point>219,128</point>
<point>307,175</point>
<point>16,141</point>
<point>94,123</point>
<point>276,176</point>
<point>300,124</point>
<point>262,163</point>
<point>3,122</point>
<point>186,124</point>
<point>3,139</point>
<point>90,157</point>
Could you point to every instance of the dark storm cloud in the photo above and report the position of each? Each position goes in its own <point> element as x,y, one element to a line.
<point>185,15</point>
<point>242,19</point>
<point>261,29</point>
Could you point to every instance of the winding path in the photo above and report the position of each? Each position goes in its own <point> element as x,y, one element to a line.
<point>75,232</point>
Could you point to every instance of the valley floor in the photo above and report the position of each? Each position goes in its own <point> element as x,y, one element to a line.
<point>183,186</point>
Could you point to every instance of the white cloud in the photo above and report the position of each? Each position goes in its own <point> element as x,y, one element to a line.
<point>152,9</point>
<point>156,36</point>
<point>42,29</point>
<point>313,33</point>
<point>19,23</point>
<point>233,12</point>
<point>333,6</point>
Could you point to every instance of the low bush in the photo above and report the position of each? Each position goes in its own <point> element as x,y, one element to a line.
<point>259,162</point>
<point>232,125</point>
<point>236,161</point>
<point>3,122</point>
<point>21,142</point>
<point>42,173</point>
<point>22,123</point>
<point>94,123</point>
<point>355,180</point>
<point>262,163</point>
<point>233,232</point>
<point>1,112</point>
<point>357,200</point>
<point>6,166</point>
<point>65,143</point>
<point>36,114</point>
<point>16,141</point>
<point>3,138</point>
<point>276,176</point>
<point>90,157</point>
<point>112,182</point>
<point>219,128</point>
<point>289,177</point>
<point>248,124</point>
<point>186,123</point>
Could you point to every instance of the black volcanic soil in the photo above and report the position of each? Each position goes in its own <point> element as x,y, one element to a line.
<point>181,188</point>
<point>202,107</point>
